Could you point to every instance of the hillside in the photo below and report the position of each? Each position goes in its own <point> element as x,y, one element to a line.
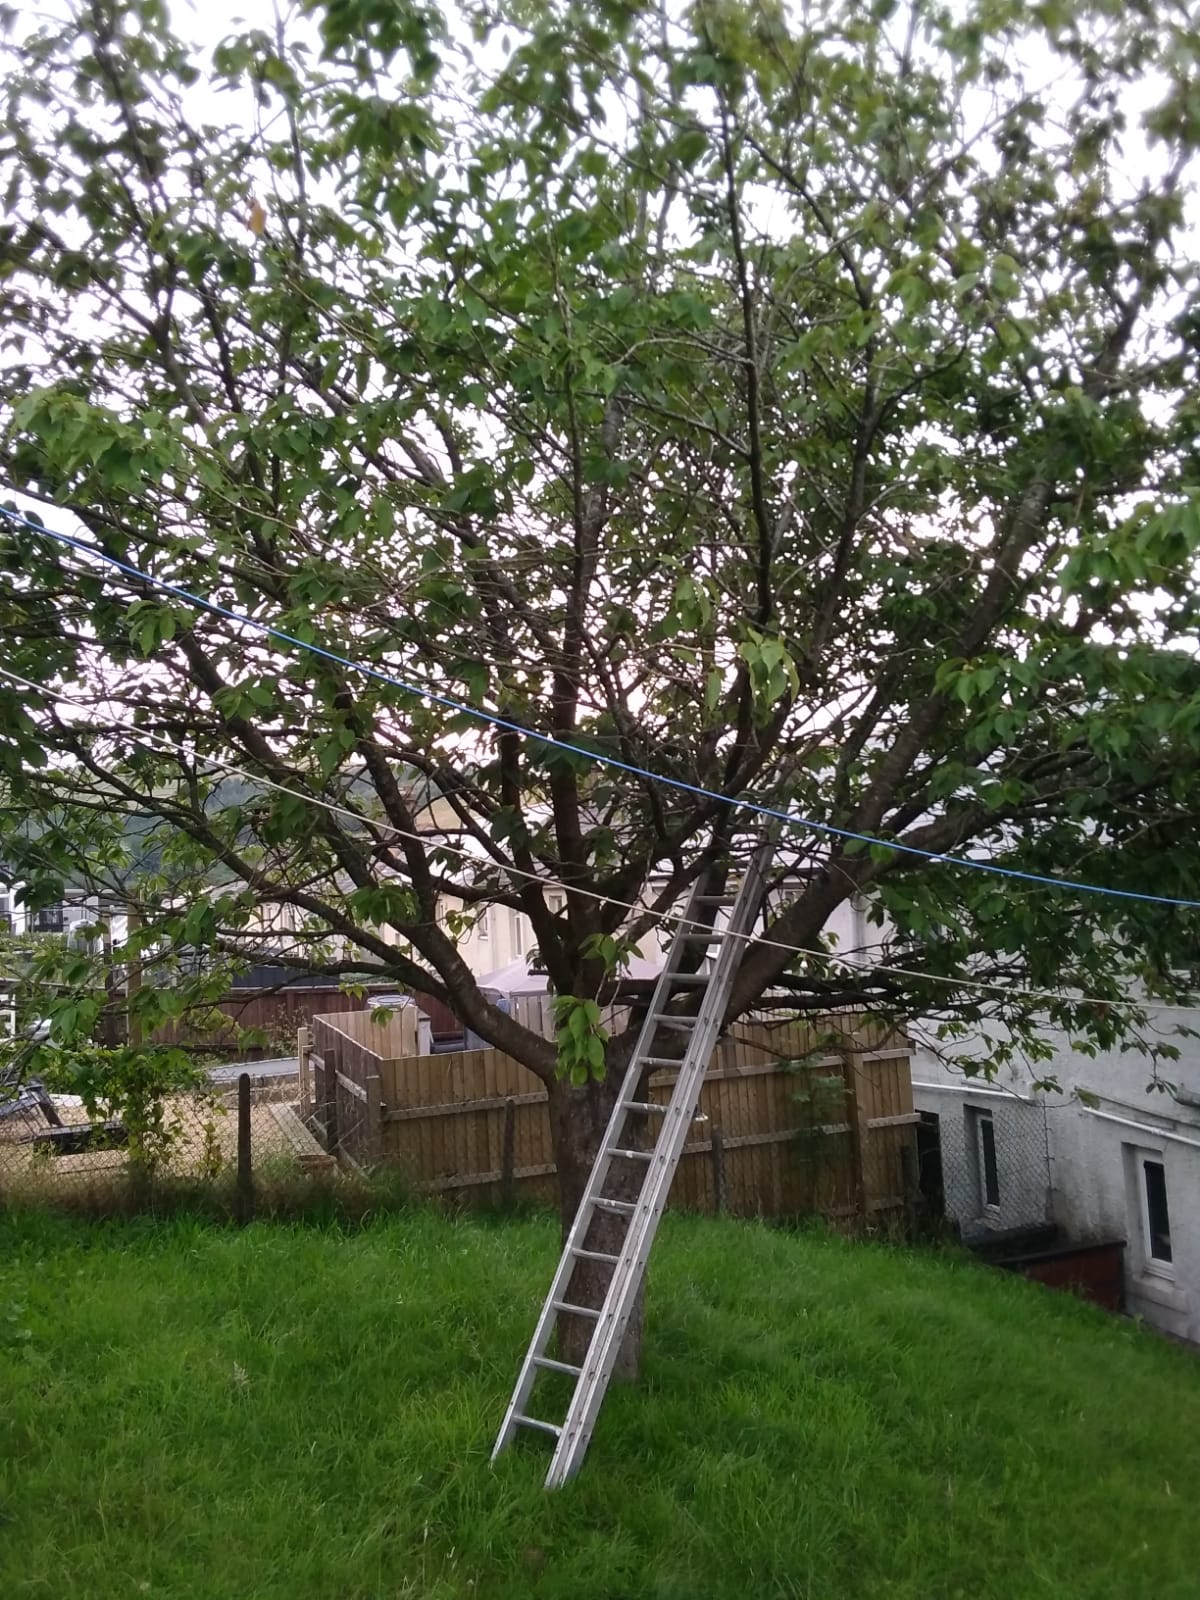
<point>193,1413</point>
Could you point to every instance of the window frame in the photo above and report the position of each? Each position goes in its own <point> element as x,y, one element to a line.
<point>1164,1266</point>
<point>58,911</point>
<point>1143,1264</point>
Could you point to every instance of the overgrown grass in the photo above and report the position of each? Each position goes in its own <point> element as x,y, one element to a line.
<point>302,1411</point>
<point>282,1192</point>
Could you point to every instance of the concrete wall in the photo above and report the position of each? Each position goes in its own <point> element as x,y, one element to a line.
<point>1099,1184</point>
<point>1092,1157</point>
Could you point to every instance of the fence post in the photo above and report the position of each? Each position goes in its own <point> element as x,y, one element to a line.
<point>717,1152</point>
<point>115,1013</point>
<point>245,1174</point>
<point>508,1152</point>
<point>331,1105</point>
<point>718,1166</point>
<point>133,981</point>
<point>373,1118</point>
<point>851,1066</point>
<point>304,1069</point>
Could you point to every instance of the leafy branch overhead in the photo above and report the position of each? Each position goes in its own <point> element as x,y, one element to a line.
<point>800,406</point>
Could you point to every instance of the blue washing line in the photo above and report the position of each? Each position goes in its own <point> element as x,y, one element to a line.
<point>490,719</point>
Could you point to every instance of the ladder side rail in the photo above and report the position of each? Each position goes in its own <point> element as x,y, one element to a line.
<point>662,988</point>
<point>728,957</point>
<point>630,1269</point>
<point>596,1180</point>
<point>631,1261</point>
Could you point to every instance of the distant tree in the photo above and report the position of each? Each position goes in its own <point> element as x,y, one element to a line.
<point>798,403</point>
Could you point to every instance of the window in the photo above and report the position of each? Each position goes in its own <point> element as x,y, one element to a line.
<point>483,925</point>
<point>986,1167</point>
<point>518,933</point>
<point>48,920</point>
<point>1156,1218</point>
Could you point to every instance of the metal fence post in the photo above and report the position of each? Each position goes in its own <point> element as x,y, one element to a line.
<point>133,981</point>
<point>245,1174</point>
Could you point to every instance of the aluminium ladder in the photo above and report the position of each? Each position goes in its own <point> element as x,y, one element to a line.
<point>642,1215</point>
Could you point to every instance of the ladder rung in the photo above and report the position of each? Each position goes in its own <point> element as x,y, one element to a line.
<point>536,1422</point>
<point>691,977</point>
<point>574,1310</point>
<point>670,1020</point>
<point>663,1061</point>
<point>595,1255</point>
<point>646,1105</point>
<point>619,1208</point>
<point>714,899</point>
<point>702,936</point>
<point>551,1365</point>
<point>632,1155</point>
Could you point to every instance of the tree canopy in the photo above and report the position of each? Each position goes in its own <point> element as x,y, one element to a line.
<point>797,404</point>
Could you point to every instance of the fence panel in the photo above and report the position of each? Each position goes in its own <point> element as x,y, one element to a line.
<point>786,1124</point>
<point>277,1012</point>
<point>536,1012</point>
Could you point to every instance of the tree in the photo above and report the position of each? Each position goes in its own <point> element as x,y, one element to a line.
<point>802,409</point>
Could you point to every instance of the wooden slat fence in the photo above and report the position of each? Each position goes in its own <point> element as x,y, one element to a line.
<point>536,1011</point>
<point>347,1064</point>
<point>278,1012</point>
<point>794,1118</point>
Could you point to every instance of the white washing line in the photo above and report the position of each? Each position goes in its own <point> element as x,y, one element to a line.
<point>1142,1127</point>
<point>967,1088</point>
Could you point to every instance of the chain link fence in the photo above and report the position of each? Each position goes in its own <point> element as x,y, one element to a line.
<point>234,1131</point>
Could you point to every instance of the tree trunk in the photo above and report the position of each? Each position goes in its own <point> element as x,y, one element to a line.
<point>578,1117</point>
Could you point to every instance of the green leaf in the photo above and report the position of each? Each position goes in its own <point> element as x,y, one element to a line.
<point>690,145</point>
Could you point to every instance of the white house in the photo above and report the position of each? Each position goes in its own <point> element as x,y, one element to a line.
<point>1119,1163</point>
<point>76,910</point>
<point>501,936</point>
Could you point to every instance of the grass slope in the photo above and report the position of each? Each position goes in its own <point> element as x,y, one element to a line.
<point>293,1411</point>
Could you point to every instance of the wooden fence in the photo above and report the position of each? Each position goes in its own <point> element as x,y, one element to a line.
<point>794,1118</point>
<point>277,1012</point>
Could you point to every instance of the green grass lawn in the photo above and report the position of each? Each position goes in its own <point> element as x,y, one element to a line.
<point>296,1411</point>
